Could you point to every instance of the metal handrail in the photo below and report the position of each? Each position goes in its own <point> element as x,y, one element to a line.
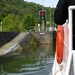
<point>70,57</point>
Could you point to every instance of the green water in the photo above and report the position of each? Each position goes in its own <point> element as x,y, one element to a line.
<point>35,61</point>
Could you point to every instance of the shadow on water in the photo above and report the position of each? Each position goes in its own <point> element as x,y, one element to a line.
<point>35,61</point>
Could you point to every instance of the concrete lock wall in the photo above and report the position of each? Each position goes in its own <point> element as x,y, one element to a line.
<point>12,41</point>
<point>44,37</point>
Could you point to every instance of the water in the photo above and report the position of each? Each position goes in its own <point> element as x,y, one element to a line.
<point>35,61</point>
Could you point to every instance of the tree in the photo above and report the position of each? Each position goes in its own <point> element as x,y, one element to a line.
<point>10,24</point>
<point>28,22</point>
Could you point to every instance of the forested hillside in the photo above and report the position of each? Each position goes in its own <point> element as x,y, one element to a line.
<point>14,13</point>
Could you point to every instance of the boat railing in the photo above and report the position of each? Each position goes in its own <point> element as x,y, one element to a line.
<point>70,69</point>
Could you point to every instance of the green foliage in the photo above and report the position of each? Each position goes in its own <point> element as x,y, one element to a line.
<point>10,23</point>
<point>15,10</point>
<point>1,16</point>
<point>28,22</point>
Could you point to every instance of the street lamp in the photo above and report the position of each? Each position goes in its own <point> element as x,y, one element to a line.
<point>50,14</point>
<point>51,28</point>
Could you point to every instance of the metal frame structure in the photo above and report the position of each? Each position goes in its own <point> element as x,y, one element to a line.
<point>71,51</point>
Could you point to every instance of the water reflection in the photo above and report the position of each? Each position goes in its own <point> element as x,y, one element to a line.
<point>36,61</point>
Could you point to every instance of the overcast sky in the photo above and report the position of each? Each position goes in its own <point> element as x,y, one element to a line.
<point>46,3</point>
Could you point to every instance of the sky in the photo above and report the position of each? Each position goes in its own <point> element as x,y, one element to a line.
<point>46,3</point>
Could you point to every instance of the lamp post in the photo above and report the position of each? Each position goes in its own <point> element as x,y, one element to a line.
<point>50,28</point>
<point>50,14</point>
